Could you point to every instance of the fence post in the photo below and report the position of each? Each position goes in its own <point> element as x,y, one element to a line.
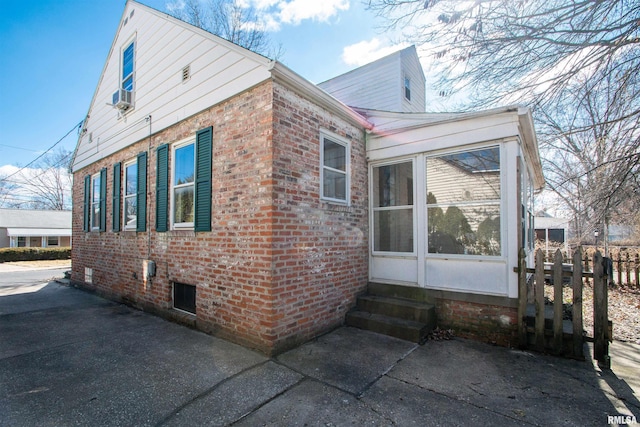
<point>557,302</point>
<point>576,284</point>
<point>539,300</point>
<point>522,297</point>
<point>628,269</point>
<point>619,268</point>
<point>586,265</point>
<point>601,318</point>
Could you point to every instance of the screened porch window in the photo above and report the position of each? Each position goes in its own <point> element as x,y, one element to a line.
<point>463,203</point>
<point>393,208</point>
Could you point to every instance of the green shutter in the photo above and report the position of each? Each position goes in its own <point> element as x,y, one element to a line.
<point>86,226</point>
<point>162,187</point>
<point>202,210</point>
<point>103,199</point>
<point>115,213</point>
<point>141,196</point>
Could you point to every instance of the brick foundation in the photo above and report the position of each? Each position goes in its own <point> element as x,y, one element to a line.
<point>495,324</point>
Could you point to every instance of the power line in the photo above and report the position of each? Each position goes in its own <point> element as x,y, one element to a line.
<point>45,152</point>
<point>18,148</point>
<point>55,165</point>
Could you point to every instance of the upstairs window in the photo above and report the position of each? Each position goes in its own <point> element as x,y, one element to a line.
<point>128,67</point>
<point>407,88</point>
<point>335,169</point>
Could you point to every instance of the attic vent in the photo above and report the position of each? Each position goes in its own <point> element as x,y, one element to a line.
<point>186,73</point>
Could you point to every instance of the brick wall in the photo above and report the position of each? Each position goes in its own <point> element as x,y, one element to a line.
<point>494,324</point>
<point>279,265</point>
<point>320,249</point>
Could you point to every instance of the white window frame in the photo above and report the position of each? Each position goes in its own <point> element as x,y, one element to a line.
<point>324,134</point>
<point>95,200</point>
<point>500,202</point>
<point>126,196</point>
<point>172,187</point>
<point>406,85</point>
<point>413,207</point>
<point>121,77</point>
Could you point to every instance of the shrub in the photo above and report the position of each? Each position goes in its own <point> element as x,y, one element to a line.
<point>33,254</point>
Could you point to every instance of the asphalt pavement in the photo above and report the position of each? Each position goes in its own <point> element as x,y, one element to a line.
<point>68,357</point>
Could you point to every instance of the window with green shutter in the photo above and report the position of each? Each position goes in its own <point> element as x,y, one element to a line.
<point>191,182</point>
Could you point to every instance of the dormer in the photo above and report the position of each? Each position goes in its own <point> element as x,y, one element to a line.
<point>393,83</point>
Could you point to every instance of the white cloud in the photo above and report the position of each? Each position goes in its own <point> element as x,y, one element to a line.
<point>7,170</point>
<point>264,4</point>
<point>367,51</point>
<point>296,11</point>
<point>175,6</point>
<point>274,13</point>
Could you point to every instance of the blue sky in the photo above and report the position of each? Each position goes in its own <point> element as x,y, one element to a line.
<point>53,52</point>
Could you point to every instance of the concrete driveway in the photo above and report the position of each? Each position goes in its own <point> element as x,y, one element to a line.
<point>68,357</point>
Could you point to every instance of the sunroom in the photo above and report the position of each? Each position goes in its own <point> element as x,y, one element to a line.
<point>451,198</point>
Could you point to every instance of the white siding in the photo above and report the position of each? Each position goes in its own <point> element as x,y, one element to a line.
<point>411,68</point>
<point>164,46</point>
<point>436,136</point>
<point>380,84</point>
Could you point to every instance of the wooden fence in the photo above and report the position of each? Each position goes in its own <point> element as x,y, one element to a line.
<point>541,326</point>
<point>626,266</point>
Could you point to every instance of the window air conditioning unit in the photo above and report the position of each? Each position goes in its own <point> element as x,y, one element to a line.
<point>122,99</point>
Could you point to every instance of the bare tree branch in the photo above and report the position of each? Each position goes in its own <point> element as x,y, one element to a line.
<point>232,20</point>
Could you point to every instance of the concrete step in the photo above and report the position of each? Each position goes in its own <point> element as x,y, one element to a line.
<point>393,326</point>
<point>398,307</point>
<point>412,293</point>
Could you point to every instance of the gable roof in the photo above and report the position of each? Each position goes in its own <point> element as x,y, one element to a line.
<point>23,218</point>
<point>381,84</point>
<point>164,46</point>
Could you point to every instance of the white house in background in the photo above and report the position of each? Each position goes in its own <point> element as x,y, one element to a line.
<point>393,83</point>
<point>34,228</point>
<point>552,231</point>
